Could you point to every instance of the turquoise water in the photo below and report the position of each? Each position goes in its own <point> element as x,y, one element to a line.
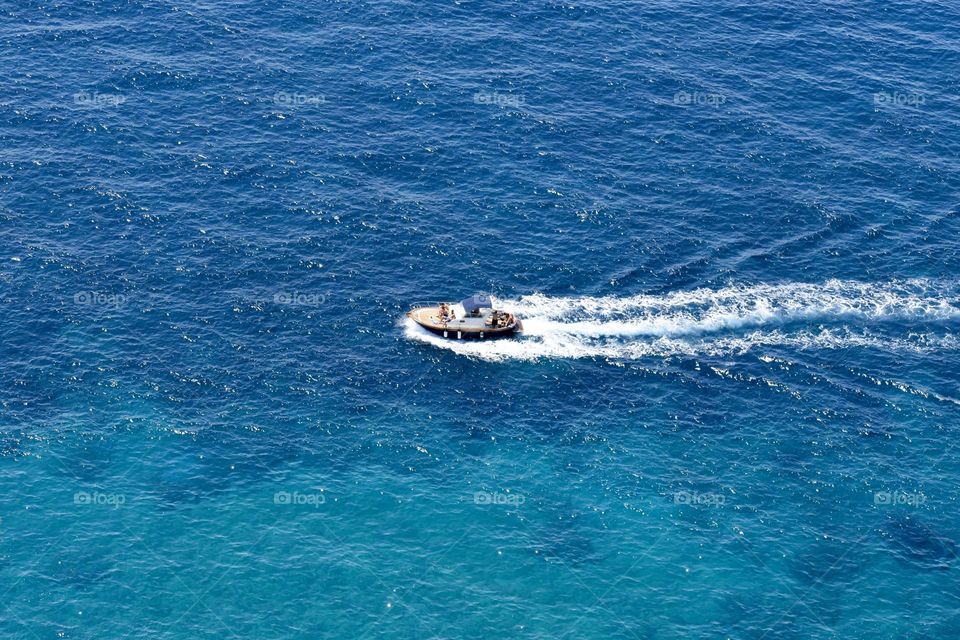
<point>731,232</point>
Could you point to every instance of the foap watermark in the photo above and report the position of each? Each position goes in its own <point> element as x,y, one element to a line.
<point>499,99</point>
<point>695,497</point>
<point>88,99</point>
<point>97,299</point>
<point>99,499</point>
<point>299,298</point>
<point>898,99</point>
<point>914,499</point>
<point>299,499</point>
<point>287,99</point>
<point>493,497</point>
<point>698,98</point>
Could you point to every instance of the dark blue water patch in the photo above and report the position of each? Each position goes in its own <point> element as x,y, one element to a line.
<point>82,566</point>
<point>85,460</point>
<point>477,440</point>
<point>828,562</point>
<point>773,613</point>
<point>564,542</point>
<point>558,530</point>
<point>914,541</point>
<point>190,469</point>
<point>32,383</point>
<point>188,478</point>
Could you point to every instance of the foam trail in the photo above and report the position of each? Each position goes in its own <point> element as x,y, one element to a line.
<point>705,310</point>
<point>700,321</point>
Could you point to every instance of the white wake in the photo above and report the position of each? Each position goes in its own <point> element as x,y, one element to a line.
<point>735,319</point>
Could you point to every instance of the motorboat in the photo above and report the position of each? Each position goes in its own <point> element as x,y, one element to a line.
<point>473,318</point>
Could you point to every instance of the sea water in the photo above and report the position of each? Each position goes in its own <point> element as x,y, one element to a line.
<point>731,233</point>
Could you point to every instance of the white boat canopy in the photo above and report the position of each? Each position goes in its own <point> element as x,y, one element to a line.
<point>476,302</point>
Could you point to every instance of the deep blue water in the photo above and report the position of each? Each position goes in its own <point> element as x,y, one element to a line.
<point>733,232</point>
